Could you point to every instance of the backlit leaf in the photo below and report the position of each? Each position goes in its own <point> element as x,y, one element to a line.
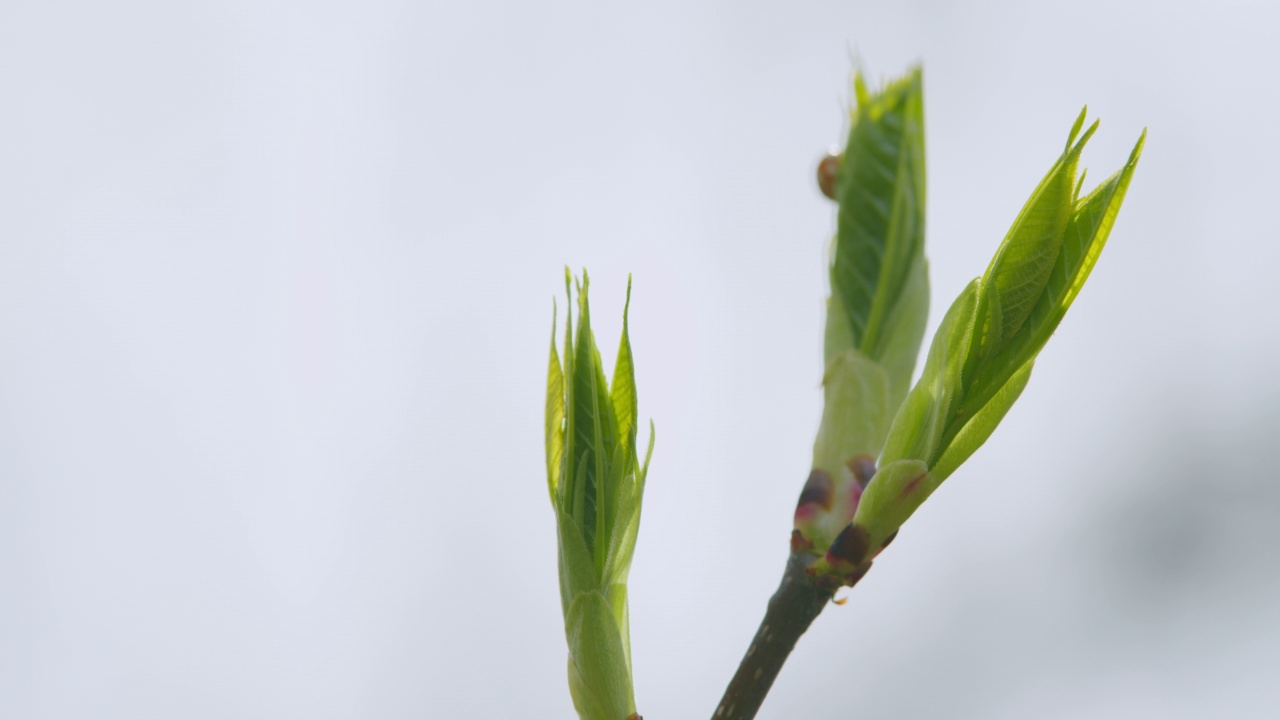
<point>555,416</point>
<point>975,432</point>
<point>880,223</point>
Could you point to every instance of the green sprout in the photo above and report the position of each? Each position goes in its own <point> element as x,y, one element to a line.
<point>983,352</point>
<point>596,485</point>
<point>879,299</point>
<point>881,450</point>
<point>883,445</point>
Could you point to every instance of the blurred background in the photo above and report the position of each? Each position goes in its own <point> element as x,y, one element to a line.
<point>276,286</point>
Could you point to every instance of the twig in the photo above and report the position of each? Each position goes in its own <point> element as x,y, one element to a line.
<point>792,609</point>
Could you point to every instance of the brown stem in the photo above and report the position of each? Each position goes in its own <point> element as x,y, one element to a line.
<point>792,609</point>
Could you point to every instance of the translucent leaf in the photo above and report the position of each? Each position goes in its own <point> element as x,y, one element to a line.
<point>880,223</point>
<point>566,488</point>
<point>1087,233</point>
<point>902,347</point>
<point>979,428</point>
<point>617,504</point>
<point>604,470</point>
<point>577,570</point>
<point>594,425</point>
<point>622,542</point>
<point>918,426</point>
<point>648,455</point>
<point>623,391</point>
<point>555,416</point>
<point>1084,236</point>
<point>618,603</point>
<point>1020,269</point>
<point>599,677</point>
<point>1011,311</point>
<point>597,488</point>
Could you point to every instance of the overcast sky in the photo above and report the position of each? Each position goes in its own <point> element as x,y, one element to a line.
<point>276,284</point>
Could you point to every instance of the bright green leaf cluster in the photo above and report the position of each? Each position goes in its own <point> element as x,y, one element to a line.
<point>983,352</point>
<point>596,484</point>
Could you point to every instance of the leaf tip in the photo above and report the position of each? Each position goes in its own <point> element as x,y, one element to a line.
<point>916,73</point>
<point>1085,137</point>
<point>626,308</point>
<point>1137,149</point>
<point>860,92</point>
<point>1075,127</point>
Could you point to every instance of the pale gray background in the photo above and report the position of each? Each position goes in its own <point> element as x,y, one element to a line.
<point>275,293</point>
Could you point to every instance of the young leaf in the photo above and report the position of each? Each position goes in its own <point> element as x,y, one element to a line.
<point>908,319</point>
<point>648,454</point>
<point>1020,300</point>
<point>1084,236</point>
<point>595,426</point>
<point>917,429</point>
<point>599,677</point>
<point>880,224</point>
<point>618,603</point>
<point>622,543</point>
<point>555,415</point>
<point>1087,232</point>
<point>597,492</point>
<point>975,432</point>
<point>567,482</point>
<point>577,570</point>
<point>623,391</point>
<point>1020,269</point>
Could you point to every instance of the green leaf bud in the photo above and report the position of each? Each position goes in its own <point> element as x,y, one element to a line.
<point>921,421</point>
<point>894,494</point>
<point>855,418</point>
<point>596,483</point>
<point>983,352</point>
<point>879,278</point>
<point>876,313</point>
<point>599,667</point>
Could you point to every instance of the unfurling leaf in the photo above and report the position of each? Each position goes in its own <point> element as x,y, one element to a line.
<point>879,285</point>
<point>879,299</point>
<point>596,483</point>
<point>983,352</point>
<point>918,427</point>
<point>555,417</point>
<point>979,428</point>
